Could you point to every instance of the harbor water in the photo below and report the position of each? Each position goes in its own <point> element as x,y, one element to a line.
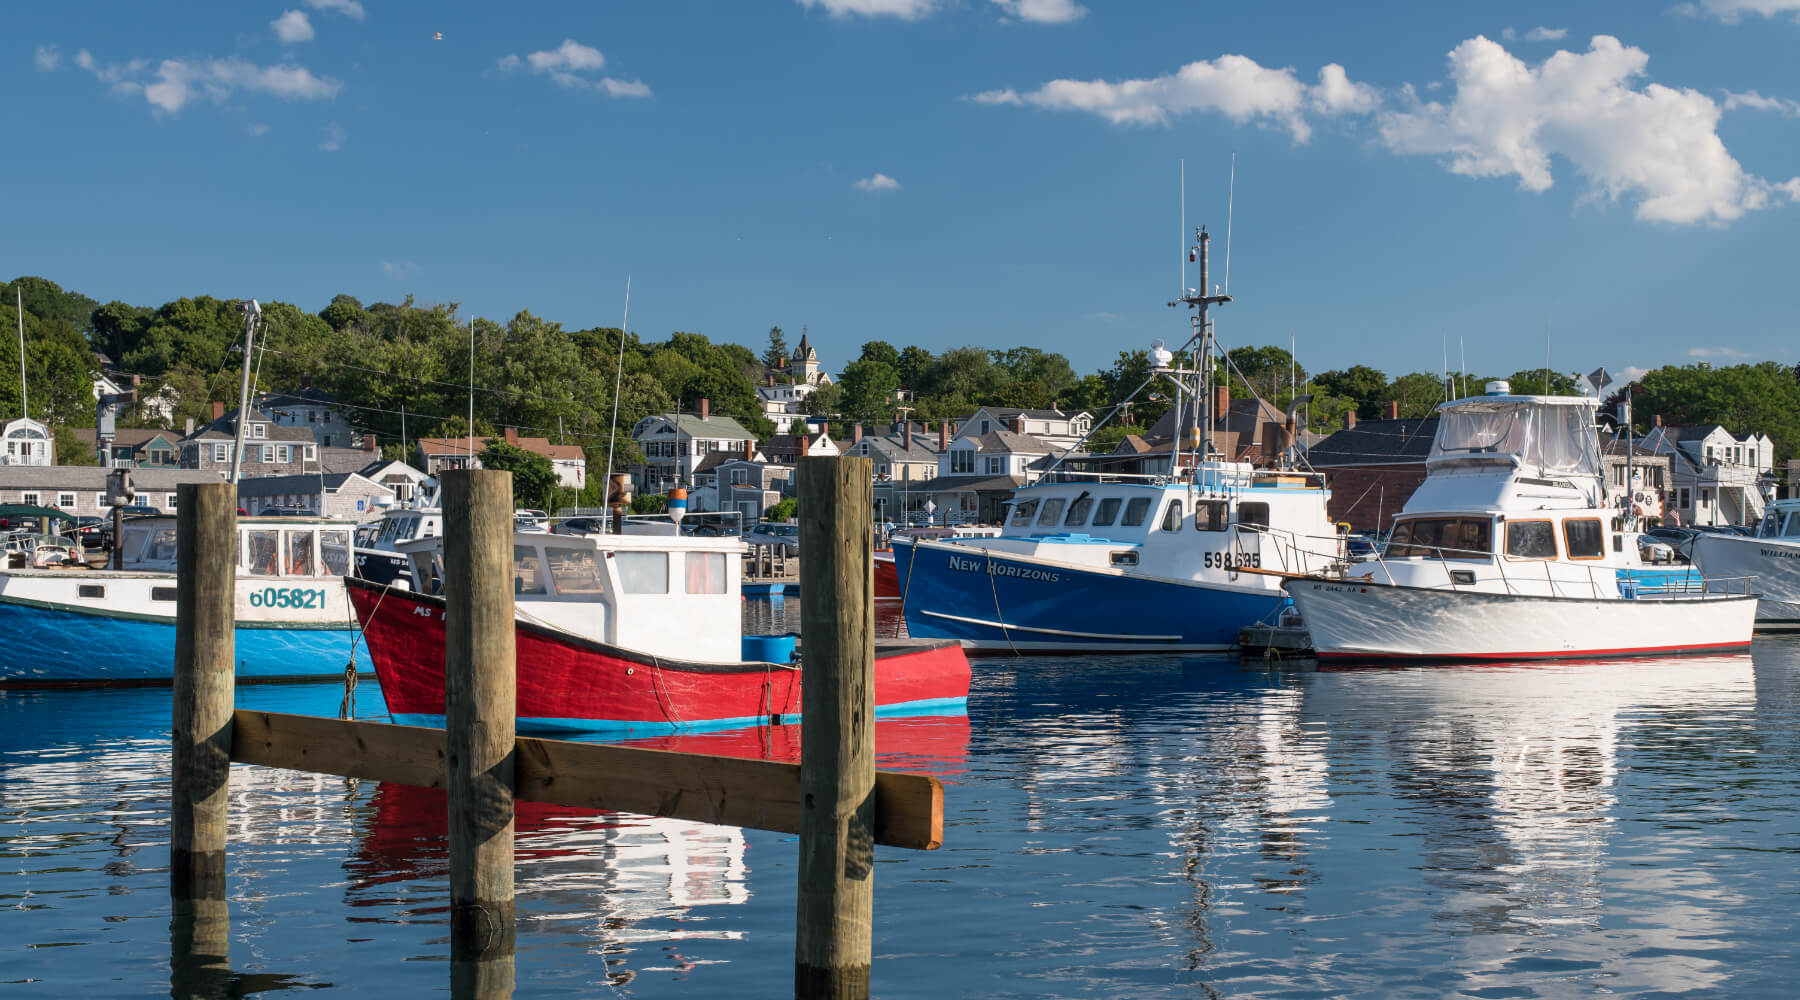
<point>1147,826</point>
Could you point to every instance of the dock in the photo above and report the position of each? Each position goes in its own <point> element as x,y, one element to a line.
<point>770,572</point>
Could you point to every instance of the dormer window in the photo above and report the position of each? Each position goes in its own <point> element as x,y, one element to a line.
<point>259,430</point>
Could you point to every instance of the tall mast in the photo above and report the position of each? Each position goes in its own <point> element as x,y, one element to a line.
<point>1198,300</point>
<point>19,308</point>
<point>252,313</point>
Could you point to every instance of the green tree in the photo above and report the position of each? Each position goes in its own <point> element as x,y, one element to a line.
<point>775,355</point>
<point>48,301</point>
<point>1268,369</point>
<point>882,351</point>
<point>534,477</point>
<point>343,312</point>
<point>913,364</point>
<point>59,369</point>
<point>1360,383</point>
<point>1533,381</point>
<point>783,511</point>
<point>118,326</point>
<point>1418,394</point>
<point>1032,378</point>
<point>1762,397</point>
<point>867,390</point>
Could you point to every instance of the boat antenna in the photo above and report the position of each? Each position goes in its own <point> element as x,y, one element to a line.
<point>1446,379</point>
<point>1462,367</point>
<point>252,316</point>
<point>1198,300</point>
<point>1546,355</point>
<point>618,380</point>
<point>1181,236</point>
<point>19,308</point>
<point>1230,203</point>
<point>471,427</point>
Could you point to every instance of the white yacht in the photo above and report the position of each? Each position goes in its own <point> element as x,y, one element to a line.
<point>1509,550</point>
<point>1772,558</point>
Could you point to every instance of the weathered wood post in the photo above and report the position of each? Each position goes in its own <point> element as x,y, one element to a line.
<point>479,721</point>
<point>205,686</point>
<point>837,729</point>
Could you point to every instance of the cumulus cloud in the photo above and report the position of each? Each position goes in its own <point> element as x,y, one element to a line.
<point>879,182</point>
<point>1657,146</point>
<point>1757,102</point>
<point>292,27</point>
<point>906,10</point>
<point>1043,11</point>
<point>1232,85</point>
<point>1546,34</point>
<point>175,83</point>
<point>565,64</point>
<point>349,8</point>
<point>47,57</point>
<point>1716,352</point>
<point>1733,11</point>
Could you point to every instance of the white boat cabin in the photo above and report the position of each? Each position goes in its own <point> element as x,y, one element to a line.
<point>649,590</point>
<point>268,547</point>
<point>1782,520</point>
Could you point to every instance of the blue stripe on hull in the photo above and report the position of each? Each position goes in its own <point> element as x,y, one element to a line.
<point>1057,608</point>
<point>621,727</point>
<point>44,646</point>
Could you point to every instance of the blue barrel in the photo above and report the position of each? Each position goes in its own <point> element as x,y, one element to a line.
<point>770,648</point>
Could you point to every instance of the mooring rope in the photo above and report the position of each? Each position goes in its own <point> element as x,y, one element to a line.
<point>995,590</point>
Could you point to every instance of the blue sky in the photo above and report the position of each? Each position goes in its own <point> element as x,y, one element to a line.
<point>939,172</point>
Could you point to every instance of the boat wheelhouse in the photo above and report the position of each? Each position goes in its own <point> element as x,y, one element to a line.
<point>1509,550</point>
<point>100,626</point>
<point>1771,558</point>
<point>378,559</point>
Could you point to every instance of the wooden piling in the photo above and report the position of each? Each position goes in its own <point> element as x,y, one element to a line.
<point>479,709</point>
<point>205,686</point>
<point>837,729</point>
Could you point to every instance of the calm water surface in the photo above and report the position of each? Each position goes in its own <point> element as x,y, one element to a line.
<point>1116,827</point>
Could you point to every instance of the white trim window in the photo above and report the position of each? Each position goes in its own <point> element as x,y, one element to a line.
<point>171,501</point>
<point>268,453</point>
<point>66,501</point>
<point>259,430</point>
<point>962,461</point>
<point>221,452</point>
<point>312,451</point>
<point>31,499</point>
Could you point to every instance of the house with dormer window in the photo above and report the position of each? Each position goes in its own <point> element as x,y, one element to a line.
<point>269,448</point>
<point>27,442</point>
<point>1715,477</point>
<point>313,409</point>
<point>1053,427</point>
<point>978,474</point>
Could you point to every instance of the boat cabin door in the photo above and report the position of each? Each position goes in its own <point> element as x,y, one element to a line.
<point>1250,519</point>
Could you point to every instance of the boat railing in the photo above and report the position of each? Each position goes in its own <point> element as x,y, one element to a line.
<point>1515,584</point>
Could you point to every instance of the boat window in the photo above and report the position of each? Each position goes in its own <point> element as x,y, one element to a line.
<point>573,570</point>
<point>1440,538</point>
<point>90,590</point>
<point>1078,511</point>
<point>1793,525</point>
<point>162,593</point>
<point>1172,516</point>
<point>162,546</point>
<point>300,553</point>
<point>526,578</point>
<point>1771,525</point>
<point>706,572</point>
<point>643,572</point>
<point>1531,539</point>
<point>1253,515</point>
<point>1053,509</point>
<point>1108,512</point>
<point>334,551</point>
<point>1209,515</point>
<point>134,541</point>
<point>264,556</point>
<point>1024,512</point>
<point>1584,538</point>
<point>1124,558</point>
<point>1136,509</point>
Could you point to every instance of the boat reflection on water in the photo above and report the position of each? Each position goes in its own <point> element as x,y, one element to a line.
<point>622,880</point>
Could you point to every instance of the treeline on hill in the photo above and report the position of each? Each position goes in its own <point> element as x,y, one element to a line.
<point>402,370</point>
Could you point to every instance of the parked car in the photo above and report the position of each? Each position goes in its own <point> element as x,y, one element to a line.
<point>1680,541</point>
<point>140,510</point>
<point>284,510</point>
<point>580,526</point>
<point>94,532</point>
<point>787,536</point>
<point>526,519</point>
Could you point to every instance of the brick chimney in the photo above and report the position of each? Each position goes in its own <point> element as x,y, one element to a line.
<point>1393,409</point>
<point>771,380</point>
<point>824,429</point>
<point>369,443</point>
<point>705,408</point>
<point>749,450</point>
<point>855,434</point>
<point>1018,423</point>
<point>805,441</point>
<point>906,434</point>
<point>512,436</point>
<point>218,410</point>
<point>1221,401</point>
<point>944,435</point>
<point>1350,420</point>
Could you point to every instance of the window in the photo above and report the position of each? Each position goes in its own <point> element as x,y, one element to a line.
<point>264,553</point>
<point>1531,539</point>
<point>1124,558</point>
<point>300,553</point>
<point>169,500</point>
<point>1024,512</point>
<point>1253,515</point>
<point>996,466</point>
<point>962,460</point>
<point>1209,515</point>
<point>1078,511</point>
<point>984,427</point>
<point>574,571</point>
<point>1108,512</point>
<point>526,578</point>
<point>284,453</point>
<point>334,551</point>
<point>259,430</point>
<point>1793,526</point>
<point>1684,498</point>
<point>1136,510</point>
<point>1172,516</point>
<point>66,501</point>
<point>312,416</point>
<point>30,499</point>
<point>1584,538</point>
<point>706,572</point>
<point>268,453</point>
<point>1053,509</point>
<point>643,572</point>
<point>91,590</point>
<point>220,452</point>
<point>1442,538</point>
<point>162,593</point>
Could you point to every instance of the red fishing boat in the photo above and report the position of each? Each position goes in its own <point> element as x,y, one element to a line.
<point>633,634</point>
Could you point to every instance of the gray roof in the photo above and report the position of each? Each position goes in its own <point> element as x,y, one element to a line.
<point>716,426</point>
<point>1008,412</point>
<point>306,396</point>
<point>271,486</point>
<point>225,429</point>
<point>977,484</point>
<point>345,459</point>
<point>124,437</point>
<point>1377,442</point>
<point>924,447</point>
<point>93,477</point>
<point>1011,441</point>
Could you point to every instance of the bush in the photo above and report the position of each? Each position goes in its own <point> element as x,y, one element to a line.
<point>650,503</point>
<point>783,511</point>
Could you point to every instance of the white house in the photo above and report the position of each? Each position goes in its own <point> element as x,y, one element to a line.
<point>344,494</point>
<point>674,445</point>
<point>902,459</point>
<point>1055,428</point>
<point>977,475</point>
<point>28,443</point>
<point>1715,477</point>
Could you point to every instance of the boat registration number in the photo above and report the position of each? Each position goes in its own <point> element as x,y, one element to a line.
<point>1233,560</point>
<point>287,597</point>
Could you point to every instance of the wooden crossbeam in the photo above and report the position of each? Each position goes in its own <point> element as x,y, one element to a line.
<point>733,791</point>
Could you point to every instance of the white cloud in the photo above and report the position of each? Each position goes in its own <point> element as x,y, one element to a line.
<point>565,64</point>
<point>1546,34</point>
<point>334,138</point>
<point>176,82</point>
<point>1232,85</point>
<point>1733,11</point>
<point>879,182</point>
<point>1043,11</point>
<point>1716,352</point>
<point>1628,374</point>
<point>1757,102</point>
<point>349,8</point>
<point>292,27</point>
<point>401,269</point>
<point>258,129</point>
<point>1657,145</point>
<point>906,10</point>
<point>48,57</point>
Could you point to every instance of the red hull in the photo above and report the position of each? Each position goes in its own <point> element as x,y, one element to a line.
<point>887,578</point>
<point>570,684</point>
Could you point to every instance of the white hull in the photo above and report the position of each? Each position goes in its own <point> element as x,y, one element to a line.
<point>1772,563</point>
<point>1349,621</point>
